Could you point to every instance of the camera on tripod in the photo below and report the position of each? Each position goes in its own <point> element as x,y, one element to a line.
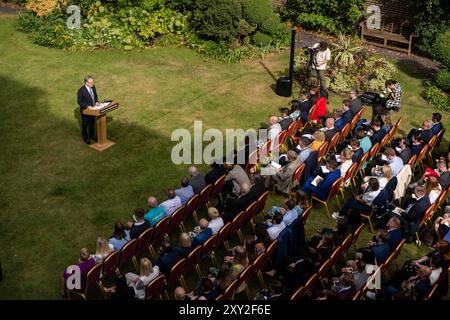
<point>311,51</point>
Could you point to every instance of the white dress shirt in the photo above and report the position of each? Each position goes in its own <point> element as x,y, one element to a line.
<point>215,225</point>
<point>275,230</point>
<point>171,205</point>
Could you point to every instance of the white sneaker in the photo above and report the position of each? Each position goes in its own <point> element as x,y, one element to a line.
<point>335,215</point>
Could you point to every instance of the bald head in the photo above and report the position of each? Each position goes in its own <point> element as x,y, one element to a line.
<point>152,202</point>
<point>203,223</point>
<point>180,293</point>
<point>193,171</point>
<point>329,123</point>
<point>273,120</point>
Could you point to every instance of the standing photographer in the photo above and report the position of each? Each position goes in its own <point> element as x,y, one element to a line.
<point>322,55</point>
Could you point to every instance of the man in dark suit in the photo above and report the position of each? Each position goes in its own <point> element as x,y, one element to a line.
<point>203,235</point>
<point>285,120</point>
<point>330,130</point>
<point>415,209</point>
<point>437,124</point>
<point>378,132</point>
<point>324,186</point>
<point>404,150</point>
<point>394,231</point>
<point>87,97</point>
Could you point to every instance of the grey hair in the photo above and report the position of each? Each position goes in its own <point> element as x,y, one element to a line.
<point>87,78</point>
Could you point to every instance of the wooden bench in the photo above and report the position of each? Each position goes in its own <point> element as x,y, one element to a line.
<point>394,34</point>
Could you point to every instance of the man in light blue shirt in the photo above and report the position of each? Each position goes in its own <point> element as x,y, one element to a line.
<point>303,150</point>
<point>289,211</point>
<point>186,191</point>
<point>172,203</point>
<point>396,163</point>
<point>155,213</point>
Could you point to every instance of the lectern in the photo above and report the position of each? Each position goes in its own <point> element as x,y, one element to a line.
<point>100,113</point>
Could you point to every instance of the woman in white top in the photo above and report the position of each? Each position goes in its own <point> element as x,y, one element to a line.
<point>346,161</point>
<point>433,188</point>
<point>146,275</point>
<point>216,222</point>
<point>103,248</point>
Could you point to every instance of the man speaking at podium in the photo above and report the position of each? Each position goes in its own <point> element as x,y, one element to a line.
<point>87,98</point>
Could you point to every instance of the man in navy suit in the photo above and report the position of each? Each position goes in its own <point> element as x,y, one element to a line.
<point>378,132</point>
<point>415,209</point>
<point>437,125</point>
<point>394,231</point>
<point>346,116</point>
<point>204,234</point>
<point>167,258</point>
<point>324,186</point>
<point>87,97</point>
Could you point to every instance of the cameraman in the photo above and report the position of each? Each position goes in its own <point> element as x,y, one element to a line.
<point>322,55</point>
<point>393,95</point>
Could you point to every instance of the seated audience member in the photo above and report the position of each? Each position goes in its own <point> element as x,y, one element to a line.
<point>386,122</point>
<point>364,140</point>
<point>347,113</point>
<point>361,203</point>
<point>234,205</point>
<point>172,203</point>
<point>303,150</point>
<point>217,170</point>
<point>274,292</point>
<point>284,120</point>
<point>355,102</point>
<point>415,208</point>
<point>425,133</point>
<point>140,224</point>
<point>394,161</point>
<point>102,249</point>
<point>394,231</point>
<point>184,245</point>
<point>383,174</point>
<point>276,225</point>
<point>320,101</point>
<point>294,112</point>
<point>319,140</point>
<point>346,161</point>
<point>239,262</point>
<point>358,271</point>
<point>339,123</point>
<point>289,210</point>
<point>273,131</point>
<point>325,181</point>
<point>202,231</point>
<point>305,105</point>
<point>442,225</point>
<point>216,222</point>
<point>155,212</point>
<point>404,150</point>
<point>416,144</point>
<point>415,287</point>
<point>167,257</point>
<point>444,174</point>
<point>329,129</point>
<point>137,282</point>
<point>205,291</point>
<point>356,149</point>
<point>377,133</point>
<point>120,237</point>
<point>303,200</point>
<point>186,191</point>
<point>344,288</point>
<point>85,263</point>
<point>180,294</point>
<point>197,180</point>
<point>380,246</point>
<point>235,177</point>
<point>283,178</point>
<point>437,125</point>
<point>433,188</point>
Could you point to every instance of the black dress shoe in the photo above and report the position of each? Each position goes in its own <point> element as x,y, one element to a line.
<point>87,141</point>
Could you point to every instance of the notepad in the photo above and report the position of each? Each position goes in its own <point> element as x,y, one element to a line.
<point>398,210</point>
<point>324,169</point>
<point>338,158</point>
<point>275,165</point>
<point>316,181</point>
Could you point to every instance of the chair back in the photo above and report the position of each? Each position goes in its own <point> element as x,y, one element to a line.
<point>412,160</point>
<point>347,242</point>
<point>350,172</point>
<point>292,129</point>
<point>362,161</point>
<point>127,252</point>
<point>357,232</point>
<point>373,151</point>
<point>222,235</point>
<point>306,214</point>
<point>161,229</point>
<point>280,139</point>
<point>217,187</point>
<point>209,245</point>
<point>422,154</point>
<point>322,151</point>
<point>344,132</point>
<point>154,287</point>
<point>110,264</point>
<point>176,218</point>
<point>92,277</point>
<point>333,142</point>
<point>297,175</point>
<point>270,251</point>
<point>237,222</point>
<point>335,187</point>
<point>176,271</point>
<point>384,141</point>
<point>246,274</point>
<point>258,262</point>
<point>191,205</point>
<point>203,196</point>
<point>312,112</point>
<point>144,241</point>
<point>250,211</point>
<point>193,258</point>
<point>261,202</point>
<point>298,294</point>
<point>229,291</point>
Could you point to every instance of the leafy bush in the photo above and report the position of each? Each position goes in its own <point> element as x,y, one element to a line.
<point>261,39</point>
<point>44,7</point>
<point>375,73</point>
<point>442,80</point>
<point>344,51</point>
<point>219,21</point>
<point>183,6</point>
<point>29,22</point>
<point>441,48</point>
<point>260,12</point>
<point>437,97</point>
<point>163,22</point>
<point>53,32</point>
<point>332,16</point>
<point>432,19</point>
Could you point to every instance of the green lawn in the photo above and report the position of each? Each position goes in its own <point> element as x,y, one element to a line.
<point>57,195</point>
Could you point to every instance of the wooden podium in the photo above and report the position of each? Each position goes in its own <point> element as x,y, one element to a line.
<point>100,113</point>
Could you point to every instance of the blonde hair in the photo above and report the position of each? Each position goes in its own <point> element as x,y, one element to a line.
<point>319,136</point>
<point>240,256</point>
<point>102,248</point>
<point>387,171</point>
<point>432,184</point>
<point>347,154</point>
<point>146,267</point>
<point>185,240</point>
<point>213,213</point>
